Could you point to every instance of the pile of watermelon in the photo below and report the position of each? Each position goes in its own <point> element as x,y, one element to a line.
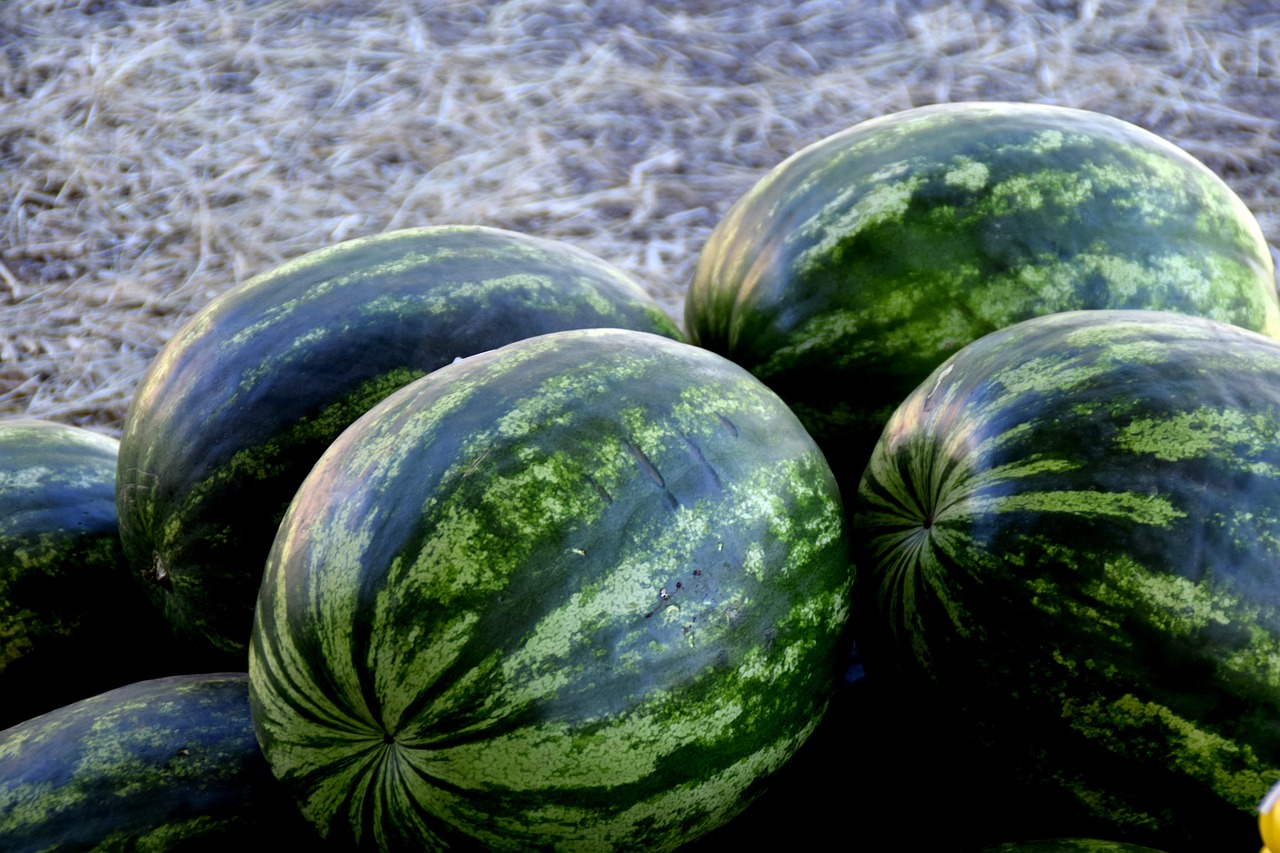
<point>958,498</point>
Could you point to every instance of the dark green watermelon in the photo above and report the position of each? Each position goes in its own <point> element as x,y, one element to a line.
<point>243,399</point>
<point>853,268</point>
<point>587,591</point>
<point>1068,542</point>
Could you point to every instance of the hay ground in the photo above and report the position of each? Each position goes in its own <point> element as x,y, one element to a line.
<point>153,154</point>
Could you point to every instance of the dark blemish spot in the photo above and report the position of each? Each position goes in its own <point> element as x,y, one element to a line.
<point>728,426</point>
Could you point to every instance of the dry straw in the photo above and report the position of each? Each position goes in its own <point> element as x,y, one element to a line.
<point>153,154</point>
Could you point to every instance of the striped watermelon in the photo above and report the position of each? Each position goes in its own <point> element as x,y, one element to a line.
<point>239,404</point>
<point>583,592</point>
<point>1069,538</point>
<point>162,766</point>
<point>852,269</point>
<point>73,621</point>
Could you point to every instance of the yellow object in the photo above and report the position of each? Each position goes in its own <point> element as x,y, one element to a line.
<point>1269,820</point>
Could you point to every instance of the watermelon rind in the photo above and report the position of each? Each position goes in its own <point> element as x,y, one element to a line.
<point>238,405</point>
<point>1067,540</point>
<point>584,592</point>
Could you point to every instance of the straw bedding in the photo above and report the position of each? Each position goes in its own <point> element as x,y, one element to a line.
<point>153,154</point>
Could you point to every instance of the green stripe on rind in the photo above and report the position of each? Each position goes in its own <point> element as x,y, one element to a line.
<point>168,764</point>
<point>591,586</point>
<point>1078,510</point>
<point>236,408</point>
<point>855,267</point>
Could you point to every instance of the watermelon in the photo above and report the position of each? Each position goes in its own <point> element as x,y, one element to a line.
<point>856,266</point>
<point>241,402</point>
<point>68,604</point>
<point>1068,540</point>
<point>587,591</point>
<point>162,765</point>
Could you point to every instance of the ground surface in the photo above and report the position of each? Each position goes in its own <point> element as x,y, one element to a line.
<point>153,154</point>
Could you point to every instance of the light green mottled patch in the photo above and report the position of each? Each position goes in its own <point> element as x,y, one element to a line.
<point>1127,329</point>
<point>1014,195</point>
<point>1010,472</point>
<point>625,750</point>
<point>1047,141</point>
<point>1126,278</point>
<point>1153,510</point>
<point>698,409</point>
<point>840,218</point>
<point>590,292</point>
<point>1027,290</point>
<point>665,819</point>
<point>1046,374</point>
<point>1179,607</point>
<point>1127,722</point>
<point>1251,527</point>
<point>968,174</point>
<point>890,171</point>
<point>1235,436</point>
<point>24,479</point>
<point>457,560</point>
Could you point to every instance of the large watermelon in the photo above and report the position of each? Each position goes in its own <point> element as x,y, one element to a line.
<point>856,266</point>
<point>239,404</point>
<point>168,765</point>
<point>73,620</point>
<point>1068,538</point>
<point>583,592</point>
